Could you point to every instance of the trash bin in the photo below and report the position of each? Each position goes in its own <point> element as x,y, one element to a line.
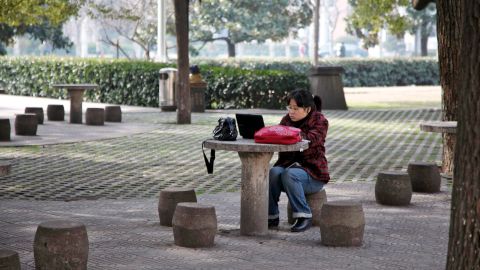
<point>166,96</point>
<point>326,82</point>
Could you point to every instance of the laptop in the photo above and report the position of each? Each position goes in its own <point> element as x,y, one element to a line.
<point>248,124</point>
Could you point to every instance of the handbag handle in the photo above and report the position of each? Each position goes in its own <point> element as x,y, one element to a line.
<point>208,163</point>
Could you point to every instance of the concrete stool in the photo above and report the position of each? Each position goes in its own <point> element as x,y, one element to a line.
<point>315,202</point>
<point>95,116</point>
<point>5,129</point>
<point>55,113</point>
<point>5,170</point>
<point>9,260</point>
<point>342,224</point>
<point>168,200</point>
<point>194,225</point>
<point>61,244</point>
<point>113,114</point>
<point>38,111</point>
<point>393,188</point>
<point>425,176</point>
<point>26,124</point>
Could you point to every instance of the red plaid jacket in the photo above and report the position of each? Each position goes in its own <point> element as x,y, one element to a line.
<point>313,159</point>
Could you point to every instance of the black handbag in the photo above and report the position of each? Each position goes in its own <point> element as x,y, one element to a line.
<point>226,130</point>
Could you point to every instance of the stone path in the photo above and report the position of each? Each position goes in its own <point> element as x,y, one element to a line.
<point>112,186</point>
<point>359,145</point>
<point>125,234</point>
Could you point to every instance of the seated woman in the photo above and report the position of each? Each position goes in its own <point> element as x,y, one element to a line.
<point>300,173</point>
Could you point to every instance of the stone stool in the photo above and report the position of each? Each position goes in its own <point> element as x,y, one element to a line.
<point>38,111</point>
<point>26,124</point>
<point>5,170</point>
<point>168,200</point>
<point>342,224</point>
<point>9,260</point>
<point>393,188</point>
<point>194,225</point>
<point>425,176</point>
<point>113,114</point>
<point>5,129</point>
<point>61,244</point>
<point>55,113</point>
<point>315,202</point>
<point>95,116</point>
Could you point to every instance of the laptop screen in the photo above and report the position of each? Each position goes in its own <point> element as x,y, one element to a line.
<point>248,124</point>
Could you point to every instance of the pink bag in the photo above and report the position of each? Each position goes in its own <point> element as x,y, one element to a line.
<point>278,134</point>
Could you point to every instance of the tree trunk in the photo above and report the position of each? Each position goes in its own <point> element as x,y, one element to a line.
<point>182,86</point>
<point>448,11</point>
<point>464,238</point>
<point>231,48</point>
<point>424,44</point>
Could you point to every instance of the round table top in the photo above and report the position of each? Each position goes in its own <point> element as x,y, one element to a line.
<point>75,86</point>
<point>439,126</point>
<point>248,145</point>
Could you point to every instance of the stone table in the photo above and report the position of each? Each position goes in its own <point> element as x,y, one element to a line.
<point>255,158</point>
<point>75,91</point>
<point>439,126</point>
<point>443,127</point>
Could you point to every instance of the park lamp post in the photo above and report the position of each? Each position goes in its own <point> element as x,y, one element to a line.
<point>161,32</point>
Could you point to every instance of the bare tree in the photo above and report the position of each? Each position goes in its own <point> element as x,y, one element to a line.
<point>133,20</point>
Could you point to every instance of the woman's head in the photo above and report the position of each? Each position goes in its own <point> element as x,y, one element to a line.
<point>301,103</point>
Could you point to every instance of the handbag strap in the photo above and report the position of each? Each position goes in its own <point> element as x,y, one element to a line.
<point>208,163</point>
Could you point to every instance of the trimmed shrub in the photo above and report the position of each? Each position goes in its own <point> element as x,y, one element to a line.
<point>230,84</point>
<point>358,71</point>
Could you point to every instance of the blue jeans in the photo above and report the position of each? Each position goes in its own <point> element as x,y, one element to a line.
<point>296,182</point>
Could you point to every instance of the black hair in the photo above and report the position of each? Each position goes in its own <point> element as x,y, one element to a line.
<point>305,99</point>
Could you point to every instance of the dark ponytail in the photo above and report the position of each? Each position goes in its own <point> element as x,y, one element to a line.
<point>304,98</point>
<point>318,103</point>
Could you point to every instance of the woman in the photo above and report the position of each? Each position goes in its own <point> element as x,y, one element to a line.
<point>300,173</point>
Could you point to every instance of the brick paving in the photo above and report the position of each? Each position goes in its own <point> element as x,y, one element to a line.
<point>126,234</point>
<point>112,185</point>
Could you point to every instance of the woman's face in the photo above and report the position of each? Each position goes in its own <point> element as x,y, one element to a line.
<point>296,113</point>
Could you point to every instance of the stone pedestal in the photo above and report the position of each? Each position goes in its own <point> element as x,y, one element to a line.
<point>393,188</point>
<point>5,169</point>
<point>113,114</point>
<point>326,82</point>
<point>38,111</point>
<point>342,224</point>
<point>197,96</point>
<point>26,124</point>
<point>95,117</point>
<point>254,197</point>
<point>9,260</point>
<point>168,200</point>
<point>194,225</point>
<point>425,177</point>
<point>5,129</point>
<point>76,99</point>
<point>315,202</point>
<point>61,244</point>
<point>55,112</point>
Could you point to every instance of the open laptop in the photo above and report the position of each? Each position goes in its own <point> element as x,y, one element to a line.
<point>248,124</point>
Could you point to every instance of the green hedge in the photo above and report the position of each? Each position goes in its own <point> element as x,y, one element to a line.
<point>120,81</point>
<point>231,84</point>
<point>358,71</point>
<point>237,88</point>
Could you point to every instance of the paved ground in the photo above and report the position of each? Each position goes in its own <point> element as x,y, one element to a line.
<point>112,184</point>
